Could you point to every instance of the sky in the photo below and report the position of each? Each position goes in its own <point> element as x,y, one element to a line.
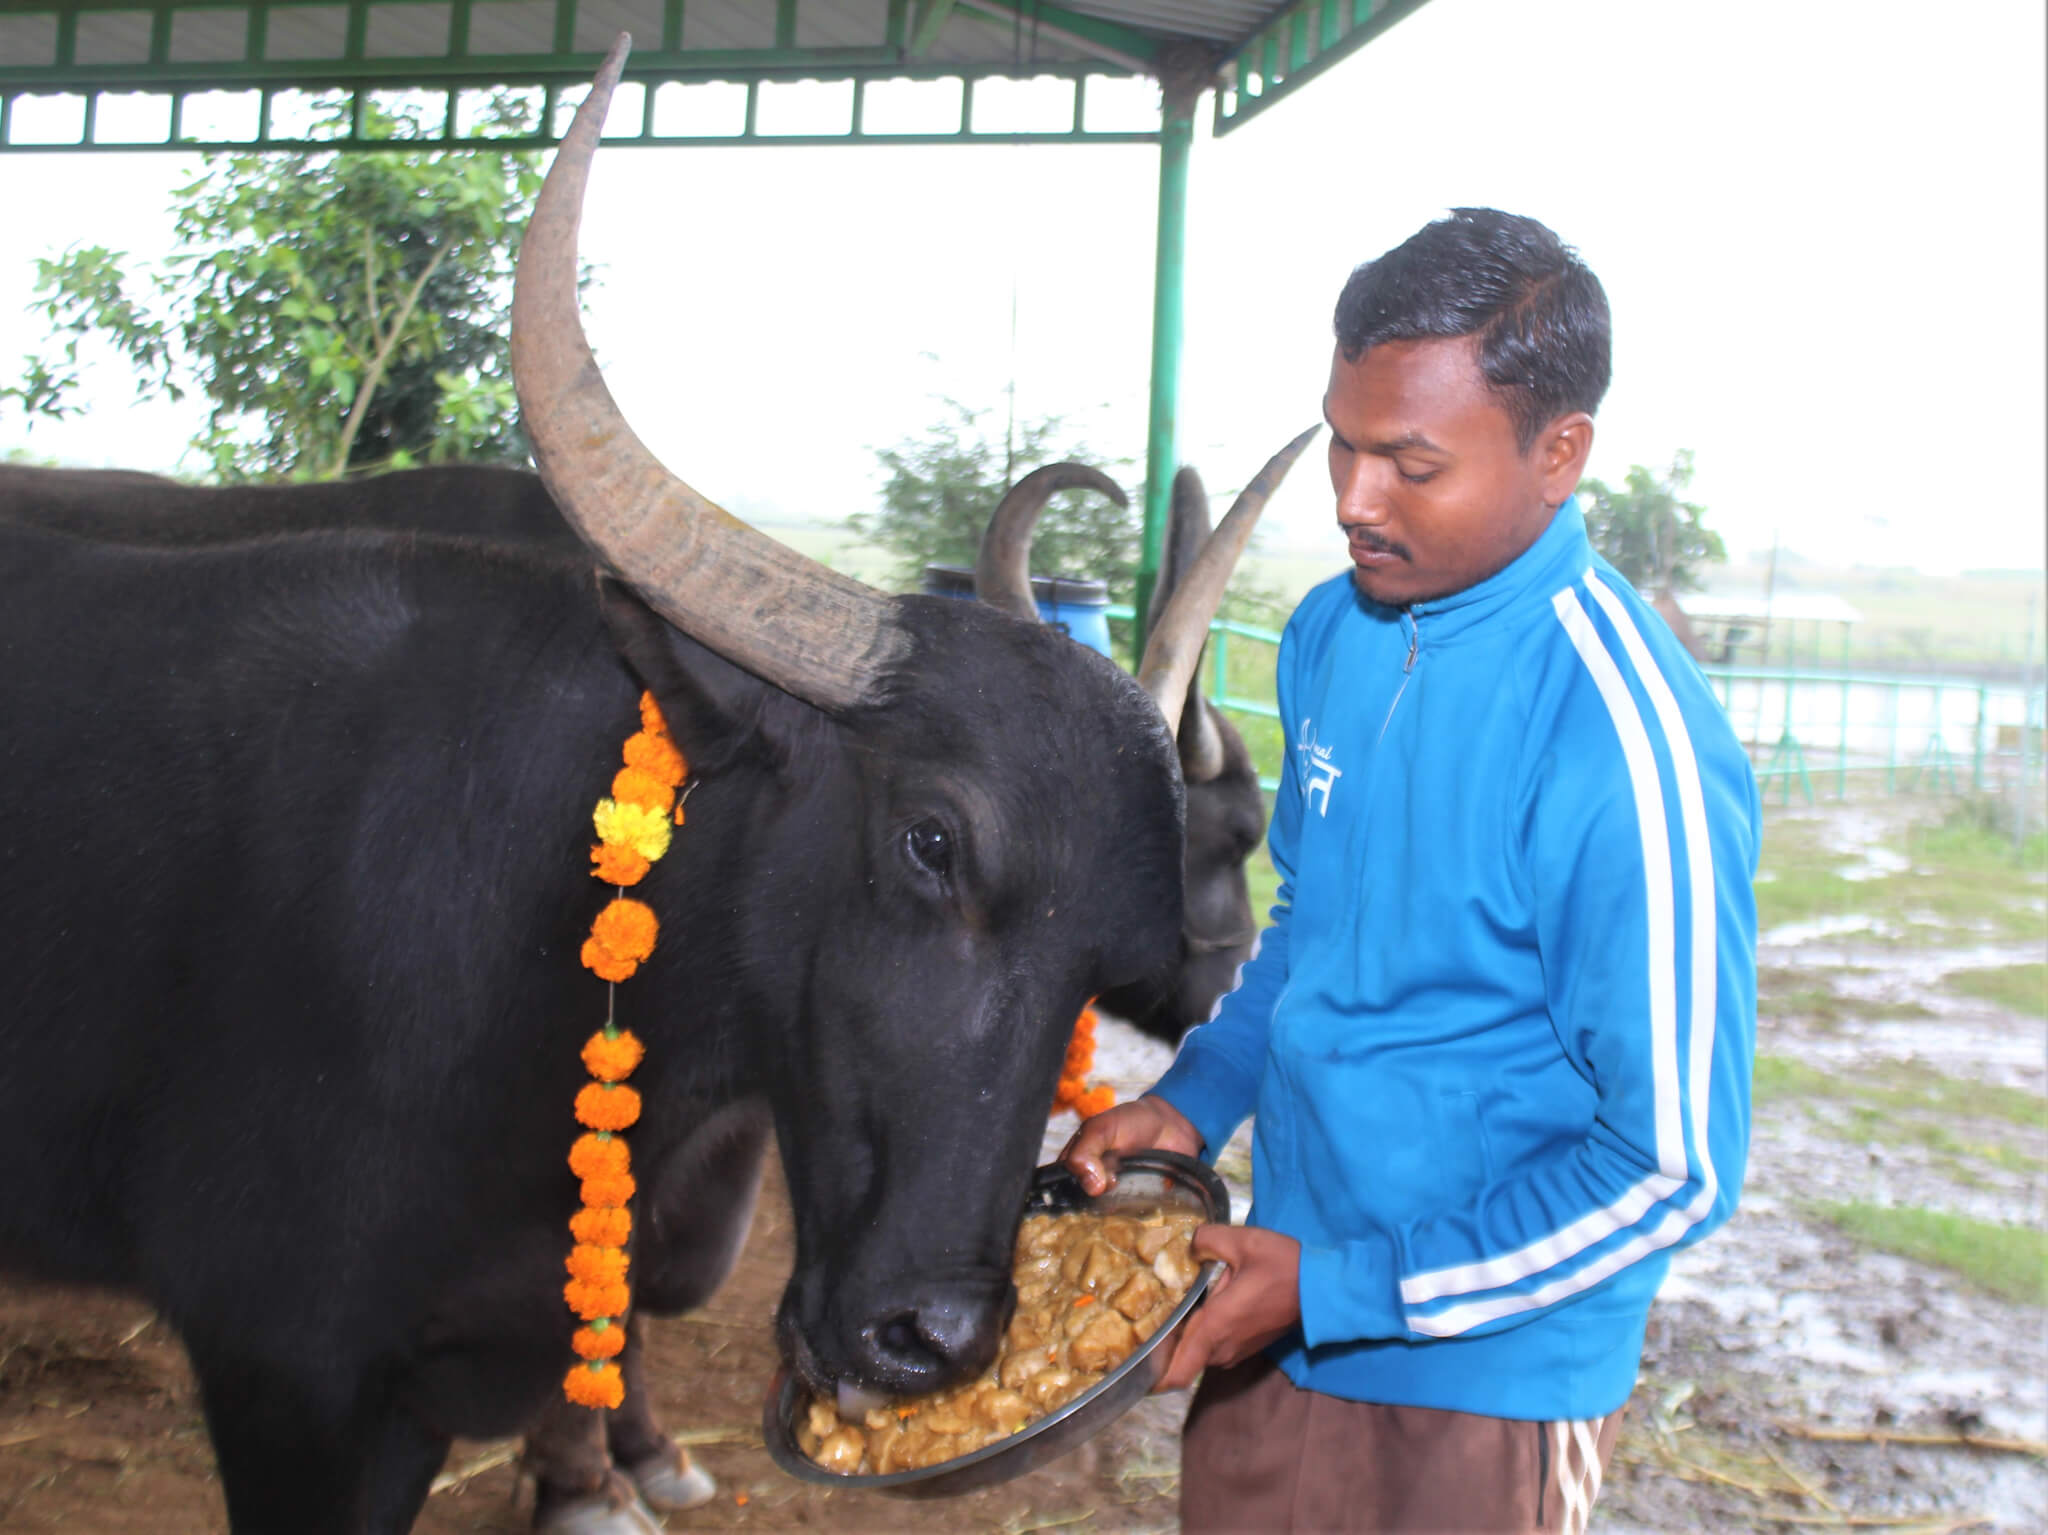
<point>1820,228</point>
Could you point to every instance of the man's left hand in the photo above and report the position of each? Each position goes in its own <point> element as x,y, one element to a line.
<point>1254,1300</point>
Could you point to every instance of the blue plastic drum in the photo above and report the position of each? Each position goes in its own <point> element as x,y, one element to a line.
<point>1078,608</point>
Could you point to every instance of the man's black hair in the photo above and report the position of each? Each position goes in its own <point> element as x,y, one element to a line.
<point>1545,340</point>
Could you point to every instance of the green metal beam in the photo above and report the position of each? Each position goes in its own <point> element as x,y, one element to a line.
<point>1296,46</point>
<point>1162,436</point>
<point>932,15</point>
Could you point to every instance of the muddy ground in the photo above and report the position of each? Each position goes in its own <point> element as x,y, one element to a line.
<point>1788,1376</point>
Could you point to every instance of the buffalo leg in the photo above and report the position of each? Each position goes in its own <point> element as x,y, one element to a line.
<point>407,1458</point>
<point>667,1478</point>
<point>294,1452</point>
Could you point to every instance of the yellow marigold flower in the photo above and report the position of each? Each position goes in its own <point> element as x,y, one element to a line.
<point>600,1340</point>
<point>591,1301</point>
<point>597,1265</point>
<point>612,1058</point>
<point>645,831</point>
<point>609,966</point>
<point>657,755</point>
<point>627,928</point>
<point>617,865</point>
<point>602,1227</point>
<point>599,1155</point>
<point>594,1385</point>
<point>637,786</point>
<point>605,1106</point>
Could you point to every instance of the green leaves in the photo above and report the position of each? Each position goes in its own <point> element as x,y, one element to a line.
<point>340,312</point>
<point>1647,533</point>
<point>942,486</point>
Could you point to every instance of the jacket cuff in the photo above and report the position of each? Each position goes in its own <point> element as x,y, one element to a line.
<point>1210,1098</point>
<point>1349,1293</point>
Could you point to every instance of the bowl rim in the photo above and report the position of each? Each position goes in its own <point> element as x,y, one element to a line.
<point>1052,1187</point>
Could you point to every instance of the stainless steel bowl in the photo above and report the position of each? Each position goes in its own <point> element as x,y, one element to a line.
<point>1145,1181</point>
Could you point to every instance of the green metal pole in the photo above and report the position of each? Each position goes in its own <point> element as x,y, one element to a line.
<point>1162,439</point>
<point>1842,750</point>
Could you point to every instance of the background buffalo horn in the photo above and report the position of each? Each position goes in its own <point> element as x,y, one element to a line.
<point>1187,530</point>
<point>790,621</point>
<point>1175,646</point>
<point>1002,570</point>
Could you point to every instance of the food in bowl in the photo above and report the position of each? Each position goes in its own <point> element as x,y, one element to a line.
<point>1090,1289</point>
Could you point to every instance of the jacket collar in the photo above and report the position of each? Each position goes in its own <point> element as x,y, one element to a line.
<point>1560,555</point>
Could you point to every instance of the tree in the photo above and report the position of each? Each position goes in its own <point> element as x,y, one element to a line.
<point>943,484</point>
<point>1647,533</point>
<point>342,311</point>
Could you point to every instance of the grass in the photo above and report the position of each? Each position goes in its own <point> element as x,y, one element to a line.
<point>2011,1261</point>
<point>1967,881</point>
<point>2022,989</point>
<point>1900,1087</point>
<point>1965,1126</point>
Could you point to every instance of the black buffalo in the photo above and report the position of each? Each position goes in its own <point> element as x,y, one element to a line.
<point>1226,810</point>
<point>292,863</point>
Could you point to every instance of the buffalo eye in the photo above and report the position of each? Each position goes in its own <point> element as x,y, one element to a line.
<point>930,847</point>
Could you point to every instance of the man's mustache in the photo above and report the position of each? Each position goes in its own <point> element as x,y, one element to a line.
<point>1361,538</point>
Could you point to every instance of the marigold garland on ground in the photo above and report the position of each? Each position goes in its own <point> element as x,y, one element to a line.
<point>634,829</point>
<point>1073,1091</point>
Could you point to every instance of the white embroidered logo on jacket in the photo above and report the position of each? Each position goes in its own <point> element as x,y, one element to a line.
<point>1318,773</point>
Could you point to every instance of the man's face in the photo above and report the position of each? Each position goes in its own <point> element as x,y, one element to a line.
<point>1432,491</point>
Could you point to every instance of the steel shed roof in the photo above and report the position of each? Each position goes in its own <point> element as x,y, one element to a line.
<point>167,73</point>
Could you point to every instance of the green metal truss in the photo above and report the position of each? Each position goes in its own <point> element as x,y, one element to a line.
<point>1296,46</point>
<point>97,56</point>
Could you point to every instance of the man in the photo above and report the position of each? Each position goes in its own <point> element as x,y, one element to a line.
<point>1498,1037</point>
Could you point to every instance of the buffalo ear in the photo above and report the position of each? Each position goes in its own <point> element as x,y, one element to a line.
<point>719,713</point>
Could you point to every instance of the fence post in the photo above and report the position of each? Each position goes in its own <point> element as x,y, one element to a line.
<point>1977,751</point>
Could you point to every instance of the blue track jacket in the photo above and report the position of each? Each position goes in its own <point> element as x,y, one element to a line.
<point>1498,1037</point>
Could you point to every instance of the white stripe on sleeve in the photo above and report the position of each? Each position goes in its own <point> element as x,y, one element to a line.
<point>1647,790</point>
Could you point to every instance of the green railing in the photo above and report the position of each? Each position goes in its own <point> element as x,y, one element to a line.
<point>1942,734</point>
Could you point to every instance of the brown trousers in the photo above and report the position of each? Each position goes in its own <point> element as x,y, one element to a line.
<point>1259,1455</point>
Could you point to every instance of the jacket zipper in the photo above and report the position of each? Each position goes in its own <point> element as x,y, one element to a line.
<point>1407,670</point>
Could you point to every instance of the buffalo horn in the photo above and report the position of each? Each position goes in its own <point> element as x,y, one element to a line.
<point>1174,647</point>
<point>1187,530</point>
<point>1002,569</point>
<point>812,632</point>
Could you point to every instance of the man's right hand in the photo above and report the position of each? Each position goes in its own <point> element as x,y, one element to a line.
<point>1143,1124</point>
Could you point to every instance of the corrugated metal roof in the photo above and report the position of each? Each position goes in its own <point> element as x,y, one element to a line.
<point>1253,51</point>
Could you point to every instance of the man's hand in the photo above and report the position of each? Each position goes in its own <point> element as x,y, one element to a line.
<point>1254,1300</point>
<point>1144,1124</point>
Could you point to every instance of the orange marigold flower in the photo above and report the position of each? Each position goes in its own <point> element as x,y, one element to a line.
<point>594,1385</point>
<point>598,1265</point>
<point>657,755</point>
<point>602,1226</point>
<point>637,786</point>
<point>596,1156</point>
<point>627,928</point>
<point>1080,1056</point>
<point>1094,1101</point>
<point>1085,1024</point>
<point>600,1340</point>
<point>604,1106</point>
<point>609,966</point>
<point>591,1301</point>
<point>650,716</point>
<point>612,1058</point>
<point>1070,1088</point>
<point>608,1189</point>
<point>617,864</point>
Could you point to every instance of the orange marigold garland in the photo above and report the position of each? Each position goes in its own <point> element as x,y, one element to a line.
<point>1074,1092</point>
<point>633,825</point>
